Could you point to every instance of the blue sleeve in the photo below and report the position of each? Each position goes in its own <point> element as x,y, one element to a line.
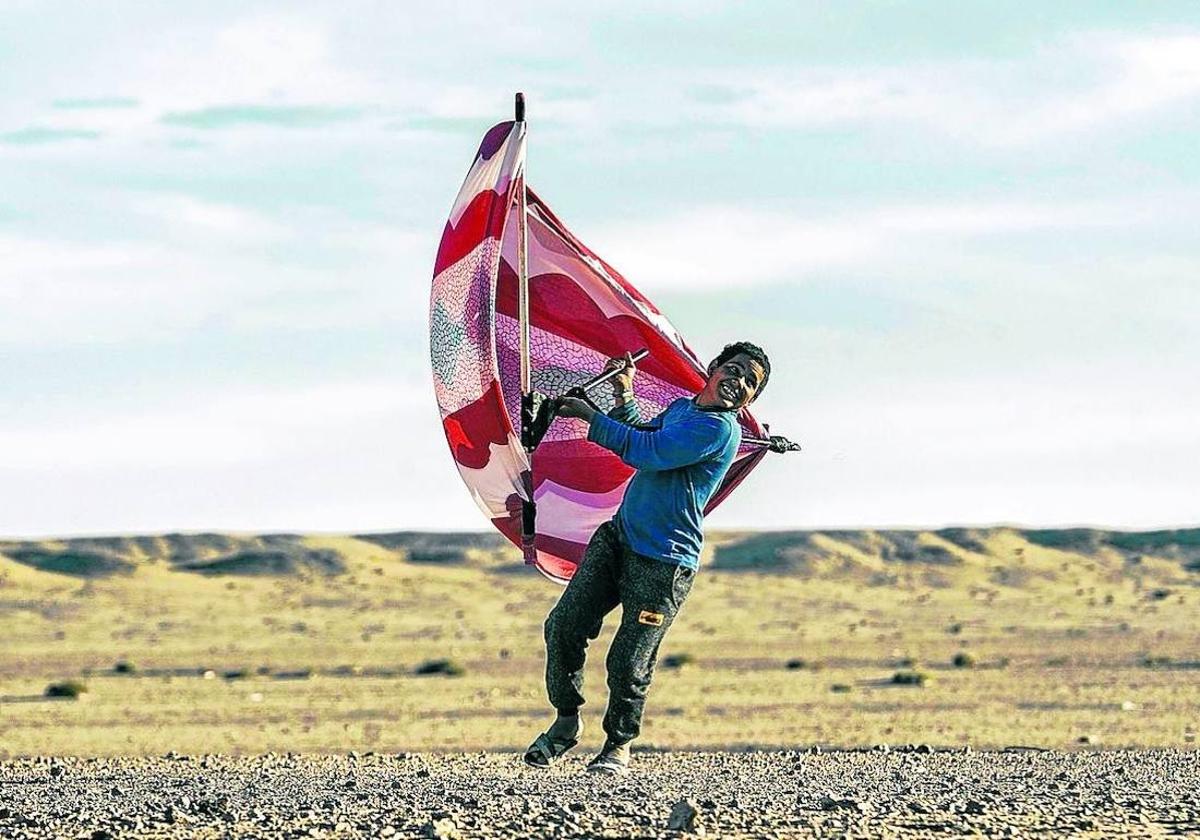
<point>676,445</point>
<point>627,413</point>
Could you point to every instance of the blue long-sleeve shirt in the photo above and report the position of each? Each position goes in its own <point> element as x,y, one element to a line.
<point>680,457</point>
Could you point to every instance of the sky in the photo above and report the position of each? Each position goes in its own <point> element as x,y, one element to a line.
<point>966,234</point>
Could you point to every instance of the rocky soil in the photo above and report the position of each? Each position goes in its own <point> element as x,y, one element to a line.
<point>896,792</point>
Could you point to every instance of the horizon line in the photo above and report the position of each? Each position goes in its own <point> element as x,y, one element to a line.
<point>1010,526</point>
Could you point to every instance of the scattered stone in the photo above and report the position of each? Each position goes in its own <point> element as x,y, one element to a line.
<point>683,817</point>
<point>1018,793</point>
<point>442,829</point>
<point>828,803</point>
<point>564,816</point>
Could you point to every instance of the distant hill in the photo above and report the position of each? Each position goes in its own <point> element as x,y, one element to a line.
<point>1002,556</point>
<point>238,554</point>
<point>950,556</point>
<point>94,557</point>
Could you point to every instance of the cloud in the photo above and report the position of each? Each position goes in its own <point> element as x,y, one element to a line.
<point>56,292</point>
<point>187,144</point>
<point>209,429</point>
<point>1153,72</point>
<point>281,116</point>
<point>262,69</point>
<point>40,135</point>
<point>97,103</point>
<point>1061,444</point>
<point>993,103</point>
<point>204,265</point>
<point>28,258</point>
<point>341,454</point>
<point>391,268</point>
<point>712,246</point>
<point>188,217</point>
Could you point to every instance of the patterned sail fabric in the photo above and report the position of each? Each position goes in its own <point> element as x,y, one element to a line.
<point>582,312</point>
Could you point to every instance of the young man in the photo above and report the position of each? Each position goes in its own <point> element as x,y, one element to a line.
<point>646,557</point>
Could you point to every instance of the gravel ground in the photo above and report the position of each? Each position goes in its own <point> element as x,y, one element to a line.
<point>897,792</point>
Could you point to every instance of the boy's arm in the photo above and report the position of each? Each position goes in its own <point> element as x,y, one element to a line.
<point>625,407</point>
<point>669,447</point>
<point>626,411</point>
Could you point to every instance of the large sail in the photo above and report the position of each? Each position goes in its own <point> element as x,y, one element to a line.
<point>581,313</point>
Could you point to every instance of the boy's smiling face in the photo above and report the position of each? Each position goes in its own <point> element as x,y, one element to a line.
<point>732,384</point>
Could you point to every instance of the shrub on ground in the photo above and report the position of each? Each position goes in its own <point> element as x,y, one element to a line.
<point>67,688</point>
<point>447,667</point>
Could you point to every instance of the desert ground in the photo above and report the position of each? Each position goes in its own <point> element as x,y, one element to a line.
<point>898,793</point>
<point>1044,652</point>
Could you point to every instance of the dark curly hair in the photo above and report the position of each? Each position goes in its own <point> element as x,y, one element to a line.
<point>753,351</point>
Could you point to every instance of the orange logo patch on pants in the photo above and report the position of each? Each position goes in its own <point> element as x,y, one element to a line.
<point>652,618</point>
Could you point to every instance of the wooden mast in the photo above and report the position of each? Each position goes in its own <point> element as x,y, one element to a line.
<point>528,509</point>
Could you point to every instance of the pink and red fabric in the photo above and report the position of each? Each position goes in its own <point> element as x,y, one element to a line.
<point>582,312</point>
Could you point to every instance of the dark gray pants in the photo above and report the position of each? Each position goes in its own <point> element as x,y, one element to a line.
<point>650,593</point>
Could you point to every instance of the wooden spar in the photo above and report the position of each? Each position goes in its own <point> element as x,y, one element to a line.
<point>765,442</point>
<point>523,267</point>
<point>528,508</point>
<point>604,377</point>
